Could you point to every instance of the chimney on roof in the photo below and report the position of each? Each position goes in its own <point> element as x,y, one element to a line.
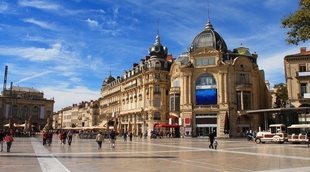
<point>303,50</point>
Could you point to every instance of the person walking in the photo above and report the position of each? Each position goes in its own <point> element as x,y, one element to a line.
<point>69,136</point>
<point>49,138</point>
<point>99,140</point>
<point>125,137</point>
<point>44,137</point>
<point>9,140</point>
<point>2,135</point>
<point>130,136</point>
<point>112,139</point>
<point>211,138</point>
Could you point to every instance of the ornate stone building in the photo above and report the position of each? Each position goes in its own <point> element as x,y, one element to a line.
<point>139,100</point>
<point>22,105</point>
<point>297,75</point>
<point>211,87</point>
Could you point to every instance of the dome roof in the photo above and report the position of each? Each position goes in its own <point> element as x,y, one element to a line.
<point>109,79</point>
<point>242,51</point>
<point>209,38</point>
<point>157,50</point>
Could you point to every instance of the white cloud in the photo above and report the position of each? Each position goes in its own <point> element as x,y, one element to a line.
<point>33,53</point>
<point>273,65</point>
<point>42,24</point>
<point>33,76</point>
<point>45,5</point>
<point>92,23</point>
<point>3,7</point>
<point>65,96</point>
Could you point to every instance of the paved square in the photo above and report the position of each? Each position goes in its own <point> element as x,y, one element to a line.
<point>187,154</point>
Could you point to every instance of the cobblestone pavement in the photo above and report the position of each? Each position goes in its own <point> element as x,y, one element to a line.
<point>187,154</point>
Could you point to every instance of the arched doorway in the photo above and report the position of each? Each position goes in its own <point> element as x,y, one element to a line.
<point>243,125</point>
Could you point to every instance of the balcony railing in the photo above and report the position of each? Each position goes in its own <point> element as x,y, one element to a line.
<point>302,74</point>
<point>304,96</point>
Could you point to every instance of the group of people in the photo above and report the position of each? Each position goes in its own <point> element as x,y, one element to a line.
<point>8,138</point>
<point>47,138</point>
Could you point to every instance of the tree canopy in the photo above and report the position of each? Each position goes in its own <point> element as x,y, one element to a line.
<point>281,95</point>
<point>298,24</point>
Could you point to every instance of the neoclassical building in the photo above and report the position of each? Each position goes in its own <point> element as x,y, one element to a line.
<point>212,86</point>
<point>25,106</point>
<point>138,100</point>
<point>297,75</point>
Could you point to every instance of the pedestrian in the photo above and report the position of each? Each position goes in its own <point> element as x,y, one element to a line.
<point>49,138</point>
<point>215,144</point>
<point>44,137</point>
<point>99,140</point>
<point>69,136</point>
<point>112,139</point>
<point>211,138</point>
<point>308,135</point>
<point>125,136</point>
<point>130,136</point>
<point>9,140</point>
<point>2,135</point>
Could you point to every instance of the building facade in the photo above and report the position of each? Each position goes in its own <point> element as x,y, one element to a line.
<point>297,75</point>
<point>22,106</point>
<point>82,115</point>
<point>138,100</point>
<point>211,86</point>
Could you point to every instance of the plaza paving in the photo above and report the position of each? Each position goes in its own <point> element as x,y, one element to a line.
<point>187,154</point>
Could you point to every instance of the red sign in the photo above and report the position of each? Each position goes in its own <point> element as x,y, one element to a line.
<point>187,121</point>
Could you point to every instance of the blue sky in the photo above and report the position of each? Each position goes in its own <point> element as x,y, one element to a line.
<point>66,48</point>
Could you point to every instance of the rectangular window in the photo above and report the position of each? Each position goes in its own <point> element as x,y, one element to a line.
<point>302,68</point>
<point>157,116</point>
<point>303,88</point>
<point>238,100</point>
<point>246,100</point>
<point>205,61</point>
<point>157,89</point>
<point>175,103</point>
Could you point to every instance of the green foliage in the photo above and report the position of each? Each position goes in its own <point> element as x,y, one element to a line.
<point>298,23</point>
<point>281,95</point>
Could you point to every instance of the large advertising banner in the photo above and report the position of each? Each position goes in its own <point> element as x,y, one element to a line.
<point>206,90</point>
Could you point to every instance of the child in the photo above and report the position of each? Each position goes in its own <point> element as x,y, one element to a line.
<point>215,143</point>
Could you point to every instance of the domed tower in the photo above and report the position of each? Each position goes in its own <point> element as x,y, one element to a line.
<point>157,50</point>
<point>209,39</point>
<point>108,80</point>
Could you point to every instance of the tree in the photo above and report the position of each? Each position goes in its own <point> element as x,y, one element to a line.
<point>281,95</point>
<point>298,23</point>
